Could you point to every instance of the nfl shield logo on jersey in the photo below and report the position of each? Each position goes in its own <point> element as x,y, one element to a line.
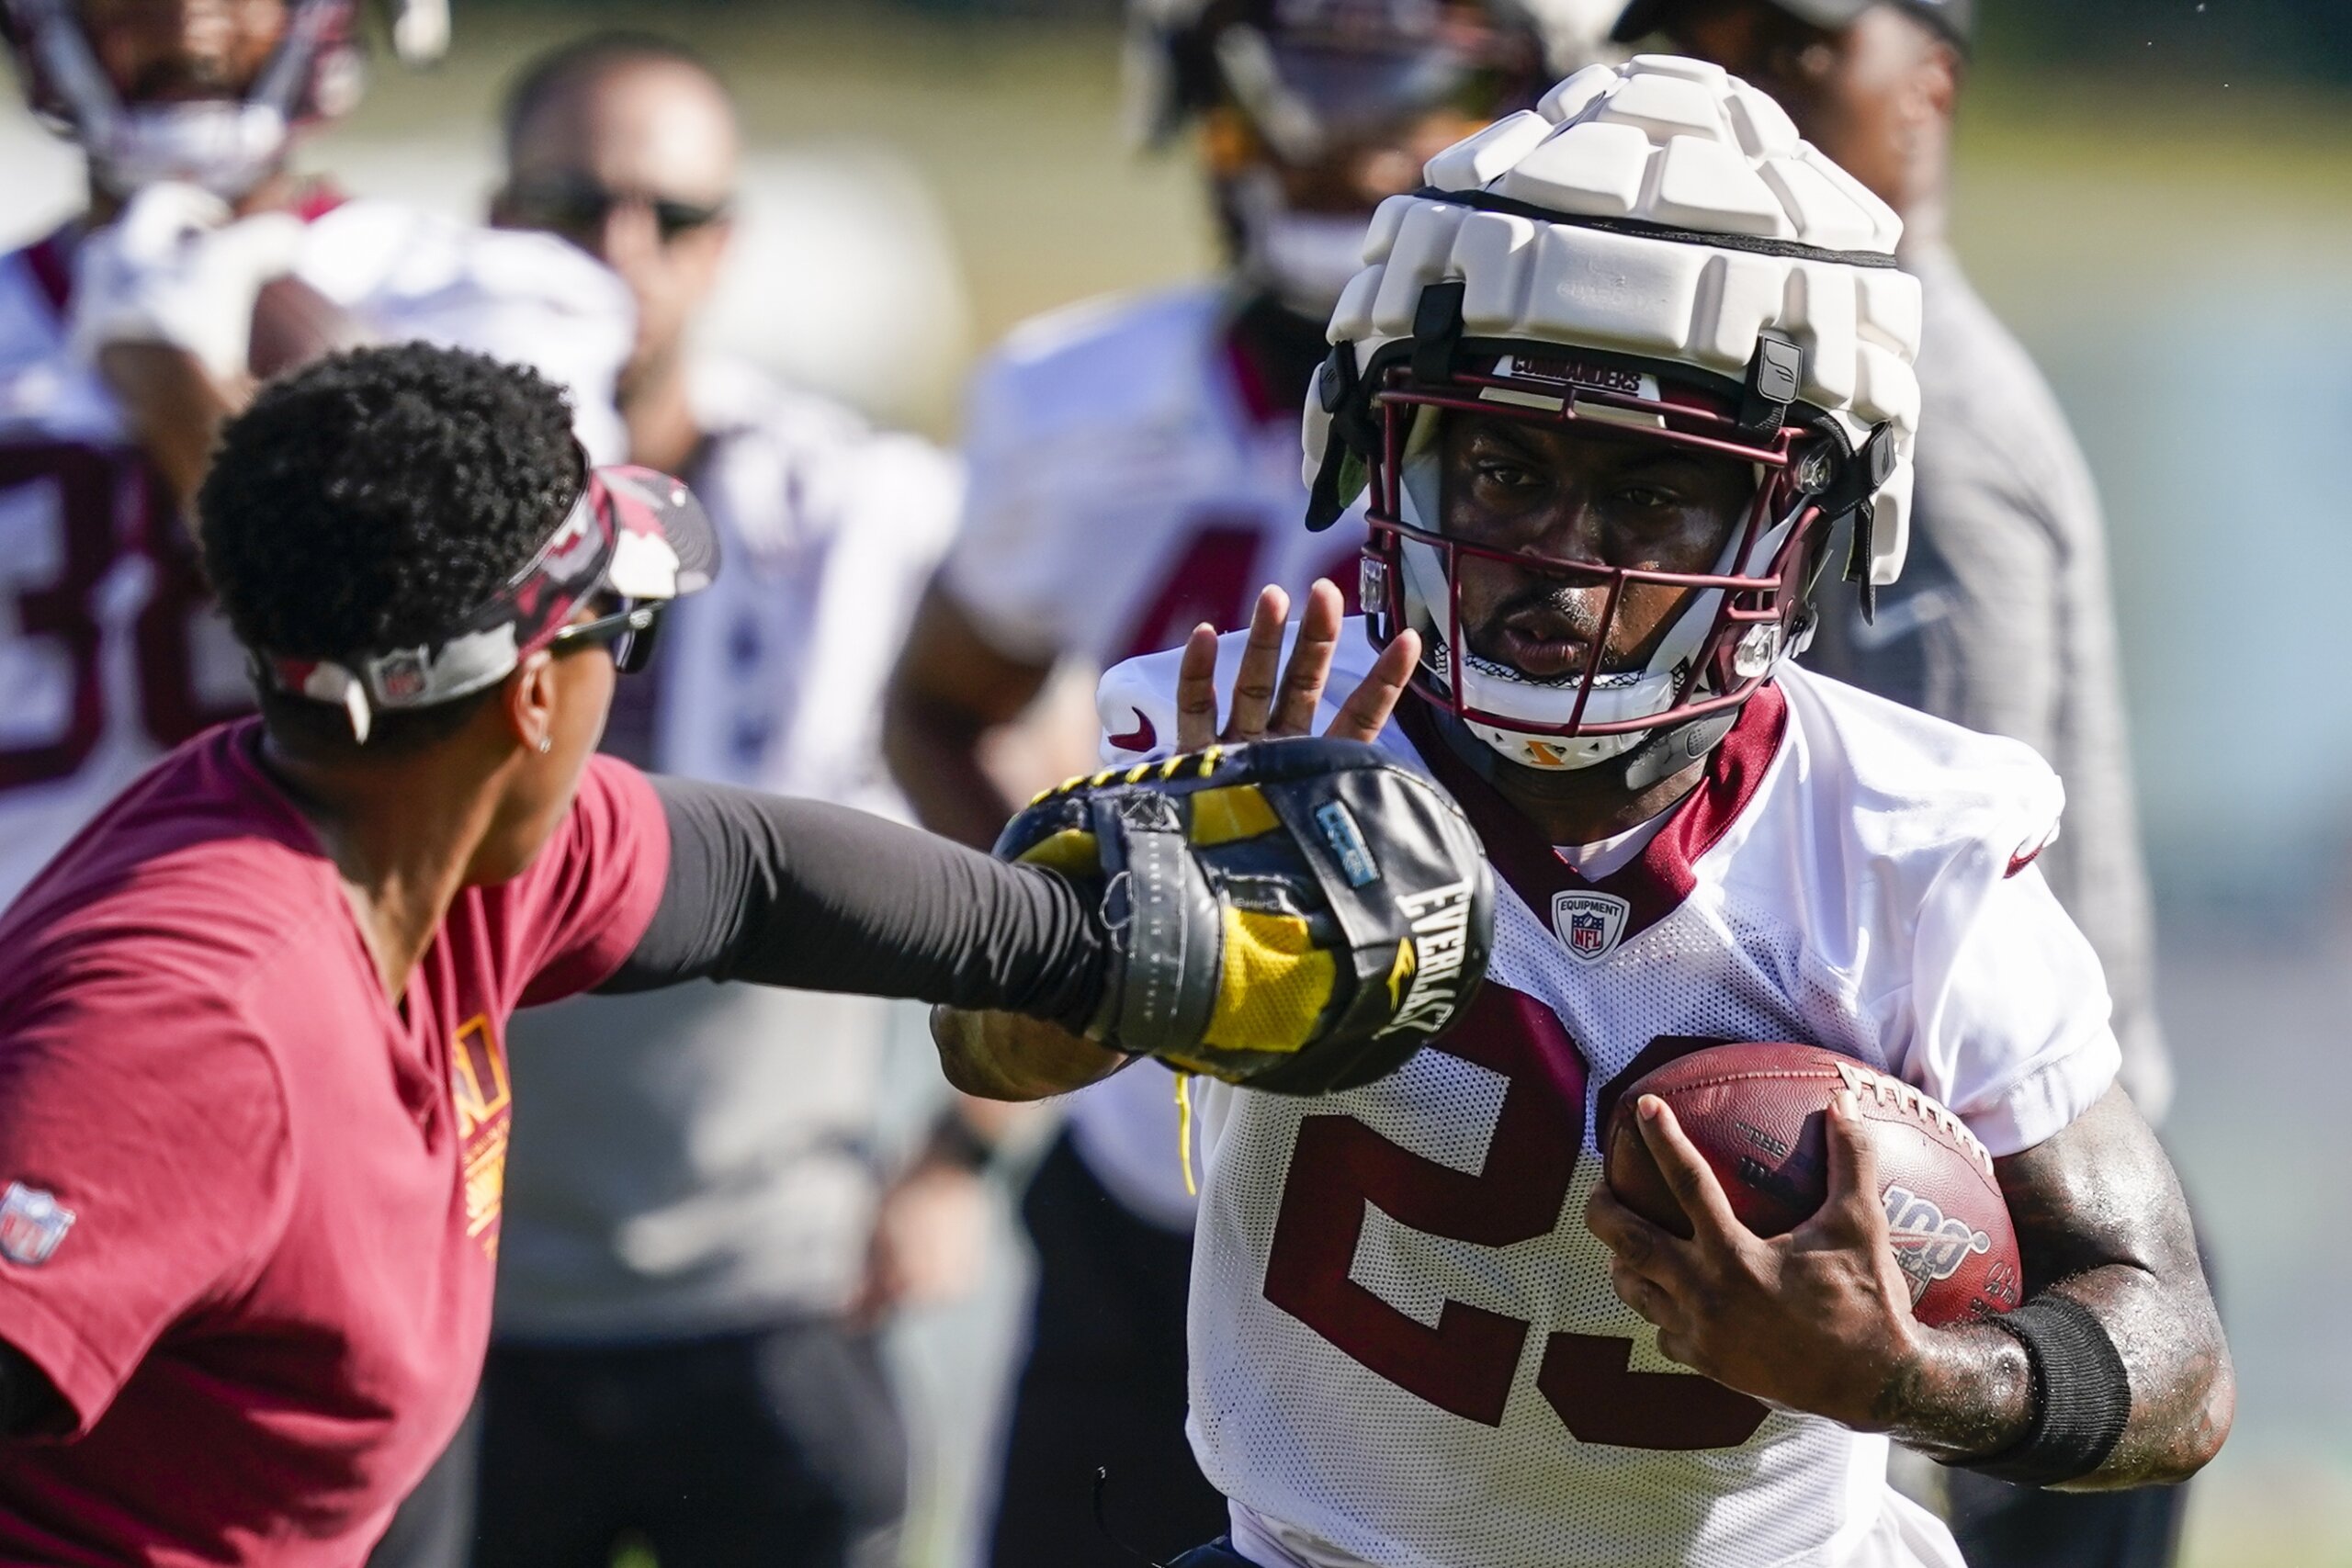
<point>1589,924</point>
<point>32,1224</point>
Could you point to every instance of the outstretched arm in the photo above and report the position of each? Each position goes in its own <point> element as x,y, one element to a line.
<point>1820,1319</point>
<point>820,898</point>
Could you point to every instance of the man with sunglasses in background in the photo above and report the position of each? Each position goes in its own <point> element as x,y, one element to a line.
<point>702,1233</point>
<point>2004,619</point>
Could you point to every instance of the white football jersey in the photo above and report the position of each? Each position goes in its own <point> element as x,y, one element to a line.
<point>1129,480</point>
<point>1405,1349</point>
<point>109,651</point>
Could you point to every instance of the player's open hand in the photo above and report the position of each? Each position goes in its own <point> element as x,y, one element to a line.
<point>1816,1320</point>
<point>1272,700</point>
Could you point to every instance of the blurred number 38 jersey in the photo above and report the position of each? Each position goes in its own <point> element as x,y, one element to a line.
<point>109,650</point>
<point>1405,1348</point>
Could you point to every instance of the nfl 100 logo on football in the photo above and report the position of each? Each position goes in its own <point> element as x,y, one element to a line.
<point>32,1224</point>
<point>1589,924</point>
<point>1928,1246</point>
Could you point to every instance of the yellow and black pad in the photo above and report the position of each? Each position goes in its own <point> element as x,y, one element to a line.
<point>1298,916</point>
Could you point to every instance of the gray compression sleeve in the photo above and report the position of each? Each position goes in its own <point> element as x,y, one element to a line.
<point>820,898</point>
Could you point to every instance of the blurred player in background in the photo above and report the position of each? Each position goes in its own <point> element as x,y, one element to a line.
<point>701,1235</point>
<point>126,334</point>
<point>1134,473</point>
<point>2004,619</point>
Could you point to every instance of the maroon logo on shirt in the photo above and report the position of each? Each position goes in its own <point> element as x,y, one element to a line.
<point>1142,738</point>
<point>32,1224</point>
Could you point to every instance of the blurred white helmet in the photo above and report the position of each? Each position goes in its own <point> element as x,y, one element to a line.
<point>1284,86</point>
<point>225,144</point>
<point>1652,249</point>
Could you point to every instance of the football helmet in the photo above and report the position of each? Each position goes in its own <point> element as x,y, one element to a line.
<point>1652,250</point>
<point>226,146</point>
<point>1291,88</point>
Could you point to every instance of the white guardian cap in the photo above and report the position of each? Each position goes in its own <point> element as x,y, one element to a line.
<point>1652,249</point>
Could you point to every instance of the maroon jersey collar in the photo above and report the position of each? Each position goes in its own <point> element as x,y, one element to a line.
<point>1654,882</point>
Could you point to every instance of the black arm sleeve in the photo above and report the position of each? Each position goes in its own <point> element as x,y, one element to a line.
<point>823,898</point>
<point>29,1403</point>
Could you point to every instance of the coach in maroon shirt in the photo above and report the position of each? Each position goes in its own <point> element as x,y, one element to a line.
<point>252,1090</point>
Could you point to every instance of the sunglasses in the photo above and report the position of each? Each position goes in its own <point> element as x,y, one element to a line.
<point>574,204</point>
<point>629,633</point>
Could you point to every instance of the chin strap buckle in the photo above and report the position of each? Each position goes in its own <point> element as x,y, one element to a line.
<point>1857,560</point>
<point>1337,386</point>
<point>1775,377</point>
<point>1437,330</point>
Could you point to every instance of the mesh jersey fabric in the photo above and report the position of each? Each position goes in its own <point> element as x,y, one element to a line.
<point>1851,874</point>
<point>1126,482</point>
<point>124,657</point>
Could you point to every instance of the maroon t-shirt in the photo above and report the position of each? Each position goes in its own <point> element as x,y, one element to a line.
<point>268,1307</point>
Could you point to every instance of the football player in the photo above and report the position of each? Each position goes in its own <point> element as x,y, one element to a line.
<point>1131,475</point>
<point>1607,382</point>
<point>129,332</point>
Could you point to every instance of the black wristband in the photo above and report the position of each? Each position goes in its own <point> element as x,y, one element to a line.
<point>2082,1396</point>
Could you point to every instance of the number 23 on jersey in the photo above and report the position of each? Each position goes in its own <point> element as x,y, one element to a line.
<point>1467,1361</point>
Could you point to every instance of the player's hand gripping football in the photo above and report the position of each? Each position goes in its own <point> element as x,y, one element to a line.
<point>1270,700</point>
<point>1817,1320</point>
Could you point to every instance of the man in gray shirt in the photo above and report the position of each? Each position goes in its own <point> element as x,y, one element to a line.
<point>2002,620</point>
<point>698,1225</point>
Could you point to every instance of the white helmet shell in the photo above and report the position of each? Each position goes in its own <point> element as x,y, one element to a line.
<point>1665,215</point>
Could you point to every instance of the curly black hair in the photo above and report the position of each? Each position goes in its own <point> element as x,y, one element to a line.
<point>372,500</point>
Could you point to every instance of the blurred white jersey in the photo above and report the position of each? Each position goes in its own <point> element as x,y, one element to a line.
<point>1130,479</point>
<point>109,652</point>
<point>1405,1349</point>
<point>773,677</point>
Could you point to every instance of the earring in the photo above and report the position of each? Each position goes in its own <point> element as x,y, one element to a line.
<point>547,744</point>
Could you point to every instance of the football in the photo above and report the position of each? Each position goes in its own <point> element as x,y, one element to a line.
<point>1757,1115</point>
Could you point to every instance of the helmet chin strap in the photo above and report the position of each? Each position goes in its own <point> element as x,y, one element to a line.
<point>228,148</point>
<point>1661,755</point>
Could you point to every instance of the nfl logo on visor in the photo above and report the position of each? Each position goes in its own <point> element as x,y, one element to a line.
<point>32,1224</point>
<point>1589,924</point>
